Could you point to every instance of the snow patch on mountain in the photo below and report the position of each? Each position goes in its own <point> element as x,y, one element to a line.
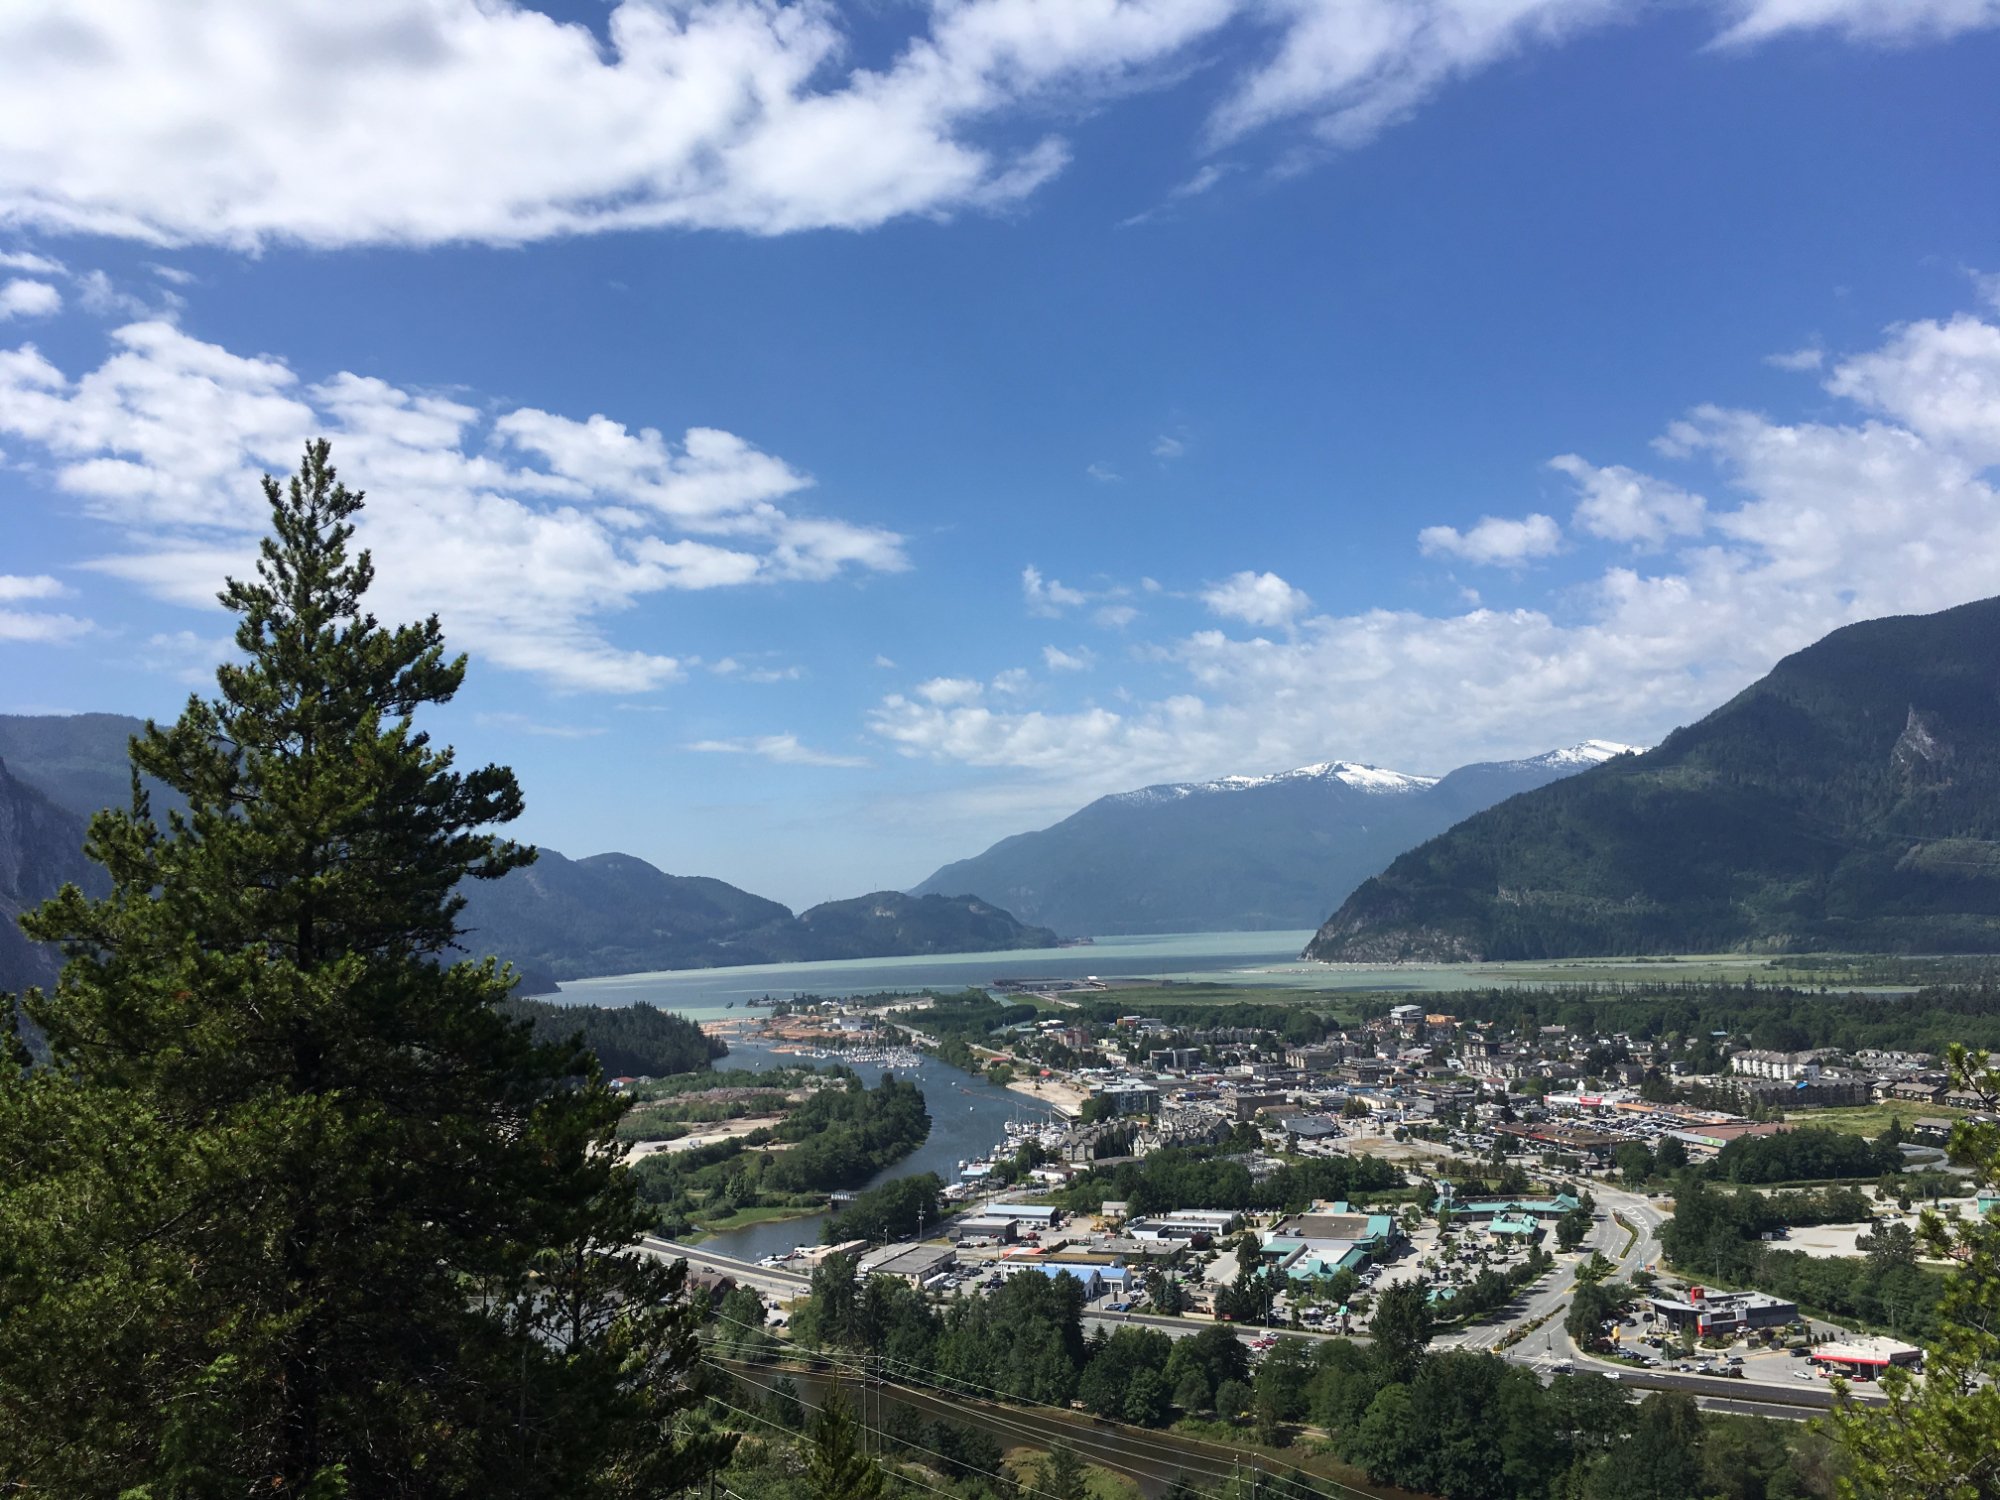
<point>1362,778</point>
<point>1371,779</point>
<point>1589,753</point>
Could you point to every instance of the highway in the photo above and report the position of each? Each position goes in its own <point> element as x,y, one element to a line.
<point>1548,1343</point>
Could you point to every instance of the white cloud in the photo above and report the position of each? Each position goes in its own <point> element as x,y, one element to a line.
<point>526,562</point>
<point>30,627</point>
<point>1830,522</point>
<point>29,261</point>
<point>1115,616</point>
<point>1623,505</point>
<point>1047,597</point>
<point>1167,447</point>
<point>1893,21</point>
<point>1256,599</point>
<point>1013,682</point>
<point>784,749</point>
<point>1941,380</point>
<point>1103,473</point>
<point>1496,541</point>
<point>1058,660</point>
<point>1798,360</point>
<point>15,587</point>
<point>1987,284</point>
<point>945,690</point>
<point>888,663</point>
<point>420,122</point>
<point>488,120</point>
<point>33,626</point>
<point>1355,67</point>
<point>22,298</point>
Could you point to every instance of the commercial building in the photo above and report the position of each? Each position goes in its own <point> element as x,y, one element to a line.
<point>987,1227</point>
<point>916,1264</point>
<point>1862,1358</point>
<point>1709,1312</point>
<point>1183,1224</point>
<point>1478,1210</point>
<point>1025,1215</point>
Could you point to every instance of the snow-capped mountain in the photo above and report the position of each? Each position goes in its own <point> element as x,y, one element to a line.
<point>1279,850</point>
<point>1348,773</point>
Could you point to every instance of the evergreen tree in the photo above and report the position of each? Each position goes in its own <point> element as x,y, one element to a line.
<point>1063,1476</point>
<point>1941,1440</point>
<point>836,1468</point>
<point>295,1210</point>
<point>1401,1328</point>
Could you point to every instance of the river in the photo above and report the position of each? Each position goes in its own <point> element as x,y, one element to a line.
<point>968,1118</point>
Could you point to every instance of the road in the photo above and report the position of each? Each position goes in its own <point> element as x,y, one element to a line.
<point>1547,1344</point>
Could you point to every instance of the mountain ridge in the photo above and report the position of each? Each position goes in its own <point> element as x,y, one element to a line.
<point>556,919</point>
<point>1849,799</point>
<point>1265,852</point>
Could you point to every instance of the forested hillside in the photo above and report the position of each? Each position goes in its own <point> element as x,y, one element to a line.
<point>1850,801</point>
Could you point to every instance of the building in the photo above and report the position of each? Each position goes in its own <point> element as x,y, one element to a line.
<point>1479,1210</point>
<point>1091,1276</point>
<point>1709,1312</point>
<point>1310,1128</point>
<point>1712,1138</point>
<point>1025,1215</point>
<point>1128,1097</point>
<point>1821,1091</point>
<point>1781,1065</point>
<point>1516,1229</point>
<point>1184,1224</point>
<point>916,1264</point>
<point>1864,1358</point>
<point>979,1227</point>
<point>1326,1240</point>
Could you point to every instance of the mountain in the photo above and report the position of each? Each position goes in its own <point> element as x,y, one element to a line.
<point>1849,800</point>
<point>614,914</point>
<point>77,761</point>
<point>1241,853</point>
<point>41,849</point>
<point>558,919</point>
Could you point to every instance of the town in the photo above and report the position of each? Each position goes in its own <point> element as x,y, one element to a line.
<point>1526,1184</point>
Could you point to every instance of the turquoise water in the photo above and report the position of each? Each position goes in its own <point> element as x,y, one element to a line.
<point>1250,958</point>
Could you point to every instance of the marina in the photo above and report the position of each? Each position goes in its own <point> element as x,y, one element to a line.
<point>971,1119</point>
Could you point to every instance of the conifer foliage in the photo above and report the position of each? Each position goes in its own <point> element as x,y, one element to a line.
<point>296,1211</point>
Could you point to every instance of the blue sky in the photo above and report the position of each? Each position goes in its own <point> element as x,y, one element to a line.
<point>843,436</point>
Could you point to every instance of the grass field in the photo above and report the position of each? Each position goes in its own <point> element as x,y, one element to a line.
<point>1871,1120</point>
<point>744,1217</point>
